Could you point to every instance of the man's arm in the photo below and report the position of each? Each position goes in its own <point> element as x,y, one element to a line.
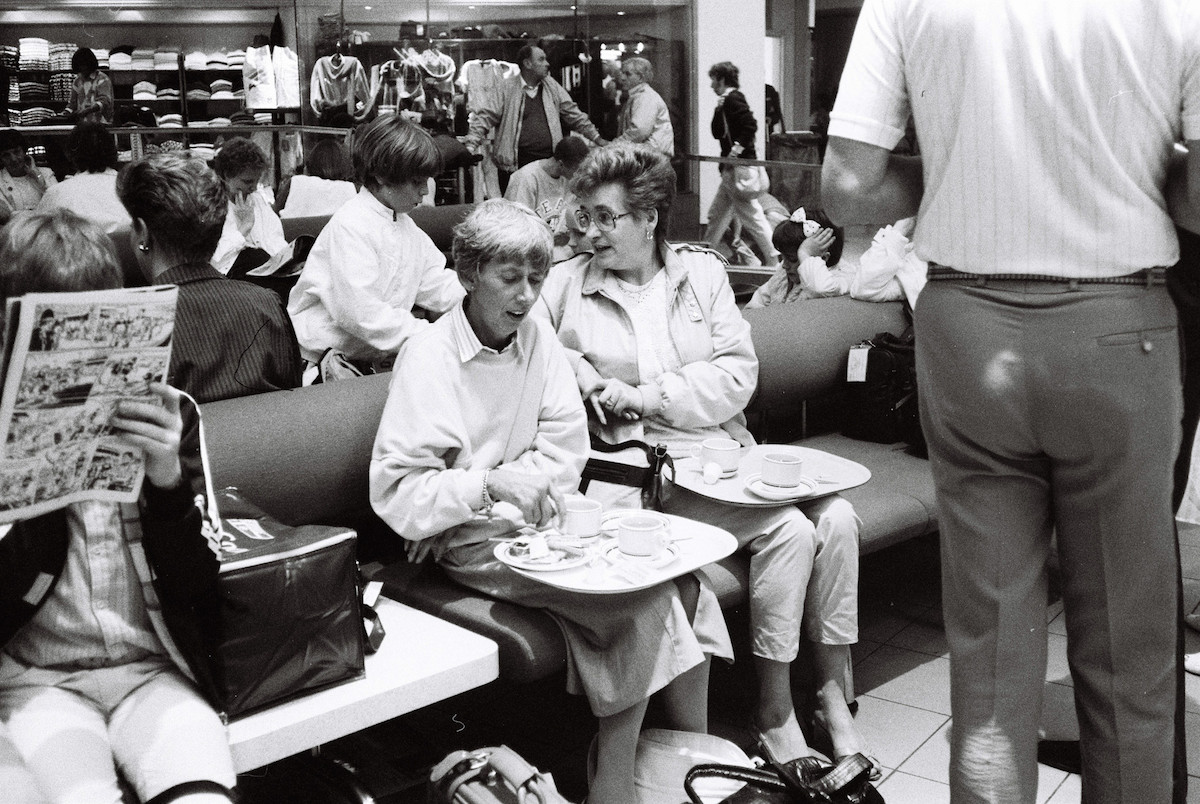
<point>1193,173</point>
<point>1183,186</point>
<point>570,113</point>
<point>863,183</point>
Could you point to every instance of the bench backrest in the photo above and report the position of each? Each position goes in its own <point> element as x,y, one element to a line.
<point>301,455</point>
<point>437,222</point>
<point>802,347</point>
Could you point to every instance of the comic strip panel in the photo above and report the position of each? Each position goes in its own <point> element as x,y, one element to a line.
<point>18,480</point>
<point>69,327</point>
<point>114,468</point>
<point>61,472</point>
<point>32,431</point>
<point>129,374</point>
<point>57,379</point>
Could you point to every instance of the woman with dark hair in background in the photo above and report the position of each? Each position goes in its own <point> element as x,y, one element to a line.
<point>326,182</point>
<point>253,232</point>
<point>22,183</point>
<point>92,192</point>
<point>734,126</point>
<point>91,91</point>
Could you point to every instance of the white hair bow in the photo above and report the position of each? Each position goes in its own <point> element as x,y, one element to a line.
<point>810,227</point>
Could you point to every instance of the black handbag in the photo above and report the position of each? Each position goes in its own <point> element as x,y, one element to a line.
<point>290,619</point>
<point>881,402</point>
<point>802,781</point>
<point>655,479</point>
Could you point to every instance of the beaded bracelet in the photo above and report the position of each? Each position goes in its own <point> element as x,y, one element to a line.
<point>486,497</point>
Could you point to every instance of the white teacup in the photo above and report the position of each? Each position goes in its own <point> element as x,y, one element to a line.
<point>782,470</point>
<point>581,517</point>
<point>641,536</point>
<point>724,452</point>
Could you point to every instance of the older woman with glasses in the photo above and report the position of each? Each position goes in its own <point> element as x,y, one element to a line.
<point>662,354</point>
<point>484,445</point>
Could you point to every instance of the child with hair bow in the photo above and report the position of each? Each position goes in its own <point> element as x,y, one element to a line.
<point>811,248</point>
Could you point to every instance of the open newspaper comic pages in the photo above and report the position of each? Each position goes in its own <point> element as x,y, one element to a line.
<point>69,358</point>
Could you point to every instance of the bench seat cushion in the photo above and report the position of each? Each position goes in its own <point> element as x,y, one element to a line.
<point>530,642</point>
<point>898,502</point>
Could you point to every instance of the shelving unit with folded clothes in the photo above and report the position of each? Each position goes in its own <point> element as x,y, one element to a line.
<point>150,80</point>
<point>36,77</point>
<point>213,87</point>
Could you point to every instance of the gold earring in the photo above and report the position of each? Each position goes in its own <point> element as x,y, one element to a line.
<point>649,234</point>
<point>142,247</point>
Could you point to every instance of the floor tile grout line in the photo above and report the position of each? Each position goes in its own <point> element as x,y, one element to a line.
<point>900,768</point>
<point>902,703</point>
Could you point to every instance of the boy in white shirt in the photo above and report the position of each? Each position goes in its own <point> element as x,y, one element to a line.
<point>371,264</point>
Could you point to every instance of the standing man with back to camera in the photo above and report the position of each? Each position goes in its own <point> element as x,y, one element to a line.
<point>1047,351</point>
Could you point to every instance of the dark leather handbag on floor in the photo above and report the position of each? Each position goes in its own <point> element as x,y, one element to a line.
<point>800,781</point>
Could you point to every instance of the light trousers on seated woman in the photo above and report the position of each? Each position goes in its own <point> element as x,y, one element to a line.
<point>803,569</point>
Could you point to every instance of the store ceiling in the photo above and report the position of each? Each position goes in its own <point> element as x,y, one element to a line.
<point>362,12</point>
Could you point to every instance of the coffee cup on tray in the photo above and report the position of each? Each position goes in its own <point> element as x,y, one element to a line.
<point>641,536</point>
<point>782,470</point>
<point>724,452</point>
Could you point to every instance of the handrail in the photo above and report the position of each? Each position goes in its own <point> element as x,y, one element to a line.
<point>733,160</point>
<point>176,130</point>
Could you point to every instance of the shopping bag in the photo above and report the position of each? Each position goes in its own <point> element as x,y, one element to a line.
<point>750,181</point>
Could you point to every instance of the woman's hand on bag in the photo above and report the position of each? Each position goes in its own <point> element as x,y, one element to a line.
<point>618,398</point>
<point>156,431</point>
<point>538,499</point>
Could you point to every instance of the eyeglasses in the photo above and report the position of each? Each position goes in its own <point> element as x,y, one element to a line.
<point>605,221</point>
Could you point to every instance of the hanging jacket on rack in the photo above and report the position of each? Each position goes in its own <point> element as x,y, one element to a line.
<point>338,82</point>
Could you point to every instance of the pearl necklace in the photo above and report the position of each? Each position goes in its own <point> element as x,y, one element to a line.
<point>637,293</point>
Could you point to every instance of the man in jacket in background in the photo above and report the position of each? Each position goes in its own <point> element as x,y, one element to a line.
<point>527,112</point>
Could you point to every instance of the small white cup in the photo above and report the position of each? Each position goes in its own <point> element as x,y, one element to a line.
<point>582,517</point>
<point>641,536</point>
<point>782,470</point>
<point>724,452</point>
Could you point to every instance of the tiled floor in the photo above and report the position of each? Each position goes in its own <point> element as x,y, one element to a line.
<point>902,676</point>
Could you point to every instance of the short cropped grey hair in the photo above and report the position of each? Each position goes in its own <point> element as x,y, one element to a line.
<point>642,67</point>
<point>181,200</point>
<point>57,251</point>
<point>499,230</point>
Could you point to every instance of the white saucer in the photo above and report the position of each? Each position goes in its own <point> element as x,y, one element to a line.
<point>561,557</point>
<point>662,559</point>
<point>755,486</point>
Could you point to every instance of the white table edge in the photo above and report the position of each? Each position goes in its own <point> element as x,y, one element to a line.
<point>439,665</point>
